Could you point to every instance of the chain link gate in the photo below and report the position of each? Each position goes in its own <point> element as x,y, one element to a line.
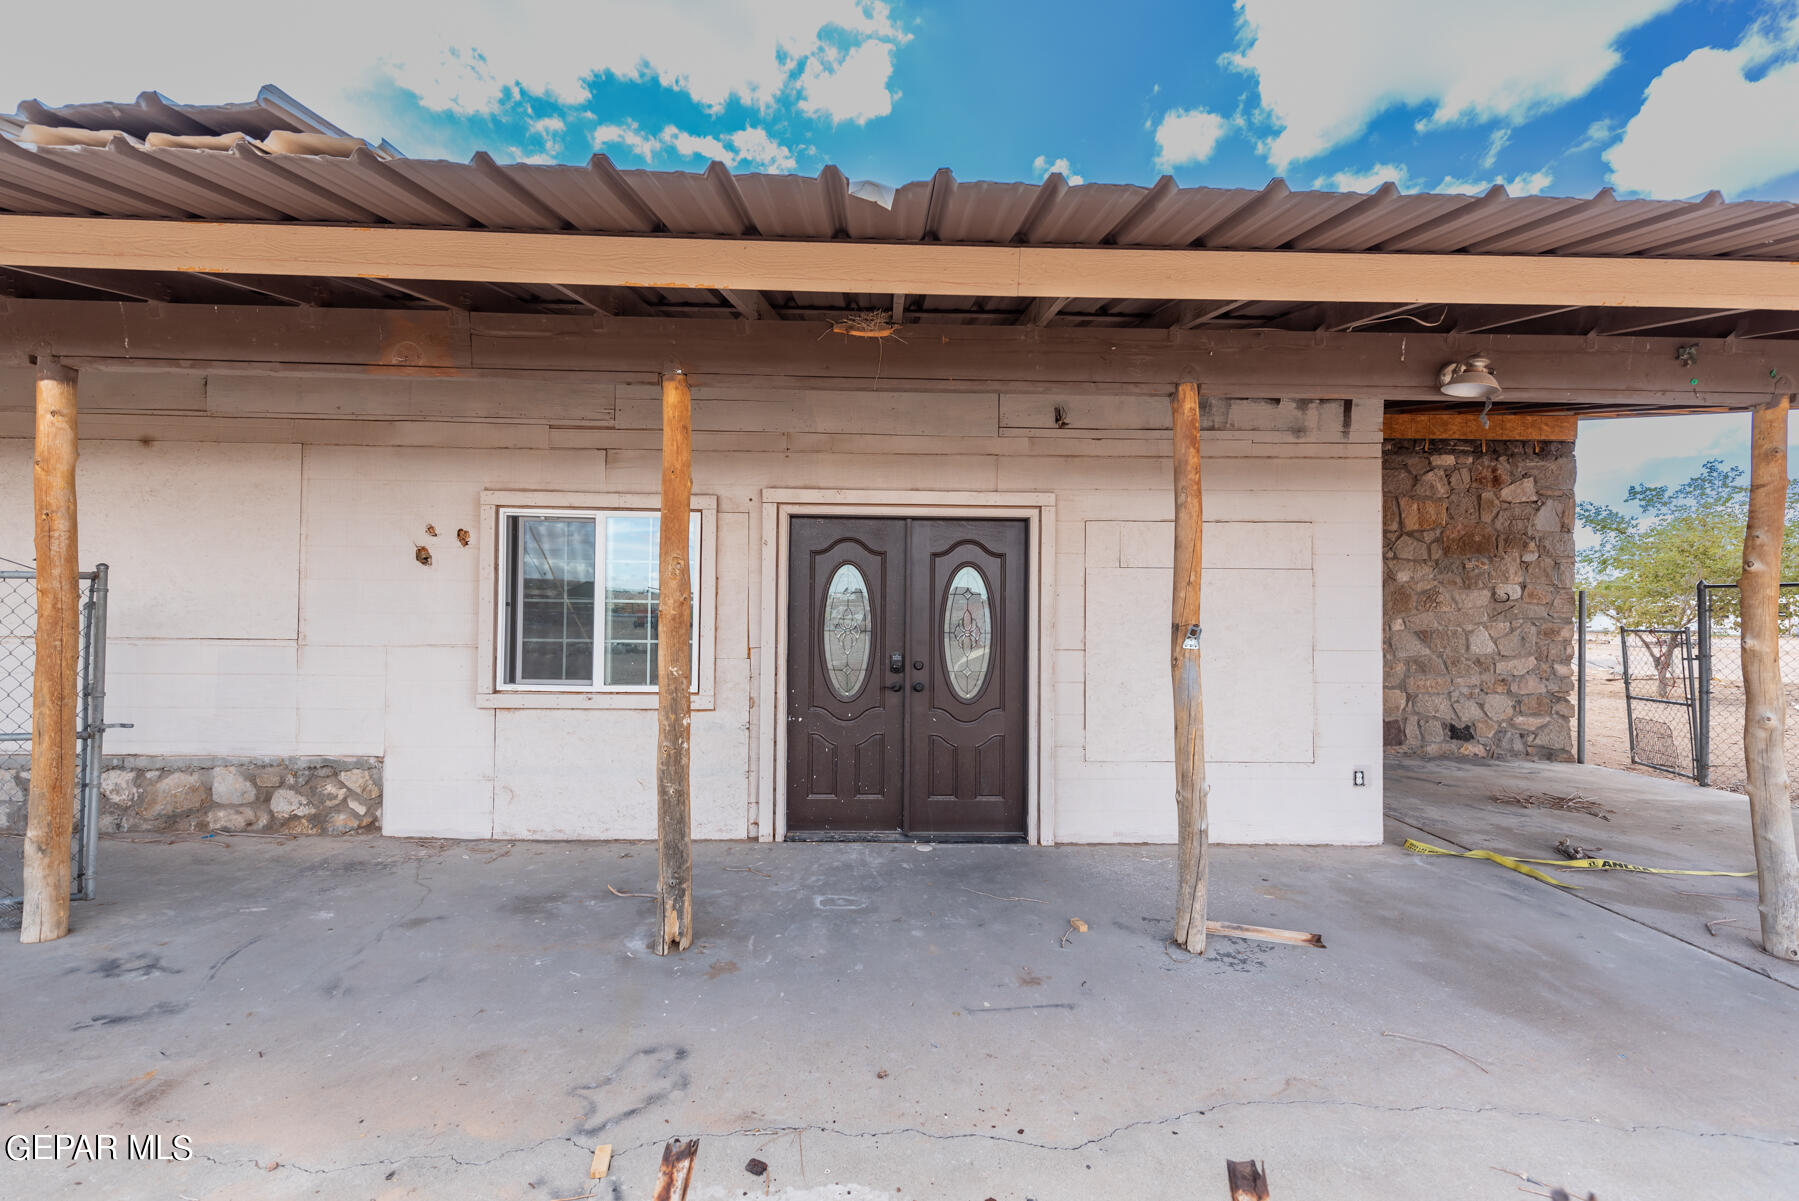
<point>1722,703</point>
<point>18,660</point>
<point>1661,705</point>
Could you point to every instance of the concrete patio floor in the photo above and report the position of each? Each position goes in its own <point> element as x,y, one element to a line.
<point>374,1018</point>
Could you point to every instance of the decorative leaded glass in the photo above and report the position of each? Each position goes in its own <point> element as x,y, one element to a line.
<point>848,632</point>
<point>967,633</point>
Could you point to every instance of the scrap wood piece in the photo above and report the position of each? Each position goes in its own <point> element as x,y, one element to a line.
<point>676,1170</point>
<point>642,896</point>
<point>1075,926</point>
<point>1247,1180</point>
<point>1298,938</point>
<point>602,1162</point>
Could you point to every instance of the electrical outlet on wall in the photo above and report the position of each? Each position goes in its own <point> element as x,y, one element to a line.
<point>1359,777</point>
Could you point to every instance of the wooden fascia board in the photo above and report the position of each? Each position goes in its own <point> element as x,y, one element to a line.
<point>916,268</point>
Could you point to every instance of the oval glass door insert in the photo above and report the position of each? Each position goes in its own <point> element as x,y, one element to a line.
<point>848,632</point>
<point>967,633</point>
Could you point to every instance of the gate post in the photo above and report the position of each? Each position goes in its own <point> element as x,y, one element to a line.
<point>1702,696</point>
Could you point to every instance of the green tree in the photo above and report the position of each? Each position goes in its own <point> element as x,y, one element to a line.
<point>1648,558</point>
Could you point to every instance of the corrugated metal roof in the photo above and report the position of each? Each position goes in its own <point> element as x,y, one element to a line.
<point>124,178</point>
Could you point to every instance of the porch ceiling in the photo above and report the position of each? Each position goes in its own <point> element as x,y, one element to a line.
<point>129,169</point>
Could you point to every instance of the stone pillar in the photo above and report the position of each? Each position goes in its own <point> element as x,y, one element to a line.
<point>1479,598</point>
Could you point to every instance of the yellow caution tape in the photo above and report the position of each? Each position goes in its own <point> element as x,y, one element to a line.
<point>1592,865</point>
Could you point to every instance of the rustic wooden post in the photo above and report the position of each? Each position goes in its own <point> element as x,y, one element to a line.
<point>50,818</point>
<point>1764,721</point>
<point>1189,710</point>
<point>674,670</point>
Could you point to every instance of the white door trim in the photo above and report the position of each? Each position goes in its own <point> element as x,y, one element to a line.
<point>1037,509</point>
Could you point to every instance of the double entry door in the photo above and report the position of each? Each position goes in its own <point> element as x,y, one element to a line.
<point>906,678</point>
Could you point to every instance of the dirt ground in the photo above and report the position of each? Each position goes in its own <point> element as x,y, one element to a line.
<point>1608,730</point>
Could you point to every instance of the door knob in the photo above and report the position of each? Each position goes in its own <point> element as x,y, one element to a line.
<point>917,685</point>
<point>896,686</point>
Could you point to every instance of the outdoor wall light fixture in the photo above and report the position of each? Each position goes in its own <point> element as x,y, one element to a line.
<point>1470,379</point>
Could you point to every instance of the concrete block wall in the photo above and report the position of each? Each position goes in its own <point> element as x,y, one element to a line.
<point>269,604</point>
<point>1479,598</point>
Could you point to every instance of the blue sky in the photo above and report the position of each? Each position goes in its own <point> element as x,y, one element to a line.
<point>1664,98</point>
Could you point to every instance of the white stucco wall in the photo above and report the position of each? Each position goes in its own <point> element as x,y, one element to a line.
<point>267,601</point>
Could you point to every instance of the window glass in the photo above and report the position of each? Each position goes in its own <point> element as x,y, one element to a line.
<point>967,633</point>
<point>632,593</point>
<point>553,599</point>
<point>848,632</point>
<point>582,586</point>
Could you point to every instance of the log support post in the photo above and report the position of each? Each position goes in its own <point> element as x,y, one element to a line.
<point>674,670</point>
<point>50,818</point>
<point>1764,722</point>
<point>1184,663</point>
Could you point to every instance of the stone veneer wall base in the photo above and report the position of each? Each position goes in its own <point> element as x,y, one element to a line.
<point>168,793</point>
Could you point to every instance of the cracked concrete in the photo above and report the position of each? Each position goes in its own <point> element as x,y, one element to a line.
<point>406,1019</point>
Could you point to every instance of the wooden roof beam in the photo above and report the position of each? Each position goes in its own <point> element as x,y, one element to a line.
<point>1766,325</point>
<point>1042,310</point>
<point>750,304</point>
<point>1185,314</point>
<point>493,256</point>
<point>1641,371</point>
<point>607,302</point>
<point>1614,322</point>
<point>1478,319</point>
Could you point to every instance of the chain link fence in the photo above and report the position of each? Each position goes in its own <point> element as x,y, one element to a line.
<point>1722,705</point>
<point>18,663</point>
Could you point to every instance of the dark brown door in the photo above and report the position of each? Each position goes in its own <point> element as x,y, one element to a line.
<point>907,671</point>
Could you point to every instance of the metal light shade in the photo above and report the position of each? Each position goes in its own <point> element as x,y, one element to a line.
<point>1470,380</point>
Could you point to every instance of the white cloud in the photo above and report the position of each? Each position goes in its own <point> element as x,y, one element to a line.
<point>755,147</point>
<point>642,144</point>
<point>470,56</point>
<point>1525,183</point>
<point>1495,144</point>
<point>849,87</point>
<point>549,132</point>
<point>1369,180</point>
<point>1528,183</point>
<point>1326,69</point>
<point>1598,134</point>
<point>751,146</point>
<point>1045,168</point>
<point>1187,135</point>
<point>1712,119</point>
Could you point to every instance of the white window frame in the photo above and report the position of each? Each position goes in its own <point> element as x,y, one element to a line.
<point>492,690</point>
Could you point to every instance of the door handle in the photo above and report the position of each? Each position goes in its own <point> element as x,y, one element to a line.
<point>917,685</point>
<point>896,686</point>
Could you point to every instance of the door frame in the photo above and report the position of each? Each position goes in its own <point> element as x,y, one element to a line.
<point>779,505</point>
